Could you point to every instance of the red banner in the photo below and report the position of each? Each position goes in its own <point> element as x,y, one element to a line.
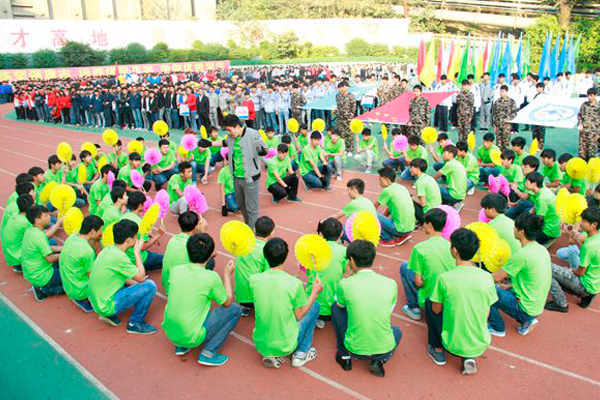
<point>396,111</point>
<point>110,70</point>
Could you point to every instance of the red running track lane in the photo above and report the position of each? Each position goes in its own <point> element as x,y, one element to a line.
<point>551,362</point>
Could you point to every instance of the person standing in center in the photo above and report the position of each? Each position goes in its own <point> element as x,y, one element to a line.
<point>346,107</point>
<point>244,160</point>
<point>504,110</point>
<point>419,112</point>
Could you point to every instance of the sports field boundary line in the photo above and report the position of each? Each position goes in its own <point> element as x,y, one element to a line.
<point>59,349</point>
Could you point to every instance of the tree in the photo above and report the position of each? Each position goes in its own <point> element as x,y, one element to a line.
<point>287,45</point>
<point>135,53</point>
<point>565,8</point>
<point>537,35</point>
<point>45,58</point>
<point>159,53</point>
<point>75,54</point>
<point>18,61</point>
<point>357,47</point>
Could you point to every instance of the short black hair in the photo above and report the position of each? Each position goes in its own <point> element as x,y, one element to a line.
<point>495,201</point>
<point>106,169</point>
<point>531,161</point>
<point>135,199</point>
<point>91,223</point>
<point>437,218</point>
<point>450,148</point>
<point>231,121</point>
<point>537,178</point>
<point>548,153</point>
<point>504,87</point>
<point>116,193</point>
<point>531,224</point>
<point>331,229</point>
<point>489,137</point>
<point>25,202</point>
<point>84,154</point>
<point>23,177</point>
<point>466,243</point>
<point>286,139</point>
<point>414,139</point>
<point>462,145</point>
<point>163,142</point>
<point>508,154</point>
<point>124,229</point>
<point>264,226</point>
<point>134,156</point>
<point>564,157</point>
<point>592,91</point>
<point>388,173</point>
<point>33,171</point>
<point>188,221</point>
<point>183,166</point>
<point>366,132</point>
<point>34,213</point>
<point>592,215</point>
<point>419,163</point>
<point>418,87</point>
<point>397,131</point>
<point>442,136</point>
<point>519,141</point>
<point>282,148</point>
<point>357,184</point>
<point>275,252</point>
<point>315,135</point>
<point>362,253</point>
<point>200,248</point>
<point>24,188</point>
<point>119,183</point>
<point>53,159</point>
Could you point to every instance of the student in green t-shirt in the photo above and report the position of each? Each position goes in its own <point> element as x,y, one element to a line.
<point>398,219</point>
<point>282,182</point>
<point>91,171</point>
<point>358,202</point>
<point>285,317</point>
<point>108,201</point>
<point>455,190</point>
<point>427,194</point>
<point>362,313</point>
<point>37,173</point>
<point>12,208</point>
<point>117,157</point>
<point>518,146</point>
<point>512,172</point>
<point>176,186</point>
<point>395,159</point>
<point>468,161</point>
<point>367,151</point>
<point>412,152</point>
<point>135,162</point>
<point>226,190</point>
<point>293,153</point>
<point>200,164</point>
<point>335,152</point>
<point>428,259</point>
<point>76,260</point>
<point>162,171</point>
<point>14,231</point>
<point>39,257</point>
<point>215,151</point>
<point>99,189</point>
<point>117,284</point>
<point>494,206</point>
<point>573,185</point>
<point>457,311</point>
<point>551,171</point>
<point>544,205</point>
<point>486,166</point>
<point>524,196</point>
<point>112,212</point>
<point>530,273</point>
<point>189,320</point>
<point>583,281</point>
<point>54,173</point>
<point>315,171</point>
<point>438,153</point>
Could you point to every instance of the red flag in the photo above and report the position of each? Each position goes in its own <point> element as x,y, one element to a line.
<point>421,57</point>
<point>485,56</point>
<point>438,75</point>
<point>450,59</point>
<point>116,70</point>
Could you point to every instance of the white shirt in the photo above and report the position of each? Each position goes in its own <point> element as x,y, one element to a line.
<point>476,95</point>
<point>528,89</point>
<point>515,93</point>
<point>445,87</point>
<point>585,83</point>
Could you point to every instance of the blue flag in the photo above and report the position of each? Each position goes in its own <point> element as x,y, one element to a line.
<point>542,70</point>
<point>554,59</point>
<point>507,60</point>
<point>571,67</point>
<point>494,61</point>
<point>520,56</point>
<point>562,62</point>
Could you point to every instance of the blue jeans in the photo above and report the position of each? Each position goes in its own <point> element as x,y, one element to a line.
<point>313,181</point>
<point>570,254</point>
<point>388,228</point>
<point>522,207</point>
<point>394,163</point>
<point>446,198</point>
<point>54,285</point>
<point>484,173</point>
<point>137,117</point>
<point>162,178</point>
<point>139,296</point>
<point>306,327</point>
<point>174,118</point>
<point>438,165</point>
<point>194,169</point>
<point>407,176</point>
<point>215,158</point>
<point>407,276</point>
<point>230,202</point>
<point>153,261</point>
<point>271,120</point>
<point>218,324</point>
<point>470,185</point>
<point>283,117</point>
<point>507,302</point>
<point>191,121</point>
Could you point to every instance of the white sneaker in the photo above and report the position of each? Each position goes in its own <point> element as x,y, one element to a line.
<point>469,366</point>
<point>349,154</point>
<point>273,362</point>
<point>471,191</point>
<point>320,324</point>
<point>459,206</point>
<point>368,170</point>
<point>339,178</point>
<point>300,361</point>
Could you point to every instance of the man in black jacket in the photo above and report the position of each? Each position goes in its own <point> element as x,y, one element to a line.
<point>203,108</point>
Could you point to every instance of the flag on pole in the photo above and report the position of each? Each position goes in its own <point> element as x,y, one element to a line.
<point>526,58</point>
<point>473,62</point>
<point>485,56</point>
<point>454,64</point>
<point>480,65</point>
<point>519,59</point>
<point>464,63</point>
<point>421,57</point>
<point>544,68</point>
<point>562,62</point>
<point>450,59</point>
<point>554,59</point>
<point>495,60</point>
<point>438,75</point>
<point>507,61</point>
<point>427,75</point>
<point>575,55</point>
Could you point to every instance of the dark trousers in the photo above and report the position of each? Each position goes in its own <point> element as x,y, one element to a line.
<point>440,119</point>
<point>434,326</point>
<point>54,285</point>
<point>419,214</point>
<point>291,191</point>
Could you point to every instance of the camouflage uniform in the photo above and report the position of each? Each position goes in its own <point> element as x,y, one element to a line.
<point>384,94</point>
<point>589,117</point>
<point>346,110</point>
<point>503,109</point>
<point>419,115</point>
<point>296,102</point>
<point>465,107</point>
<point>396,91</point>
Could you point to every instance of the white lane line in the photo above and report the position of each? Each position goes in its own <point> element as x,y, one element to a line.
<point>59,349</point>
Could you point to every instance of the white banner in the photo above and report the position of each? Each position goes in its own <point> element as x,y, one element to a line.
<point>546,110</point>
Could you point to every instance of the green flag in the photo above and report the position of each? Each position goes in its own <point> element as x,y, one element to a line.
<point>464,64</point>
<point>526,58</point>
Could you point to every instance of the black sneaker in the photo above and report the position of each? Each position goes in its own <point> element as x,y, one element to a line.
<point>38,294</point>
<point>181,351</point>
<point>84,305</point>
<point>586,300</point>
<point>246,311</point>
<point>17,269</point>
<point>553,306</point>
<point>376,368</point>
<point>140,328</point>
<point>113,320</point>
<point>345,363</point>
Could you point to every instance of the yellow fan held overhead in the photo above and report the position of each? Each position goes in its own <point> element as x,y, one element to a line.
<point>313,252</point>
<point>237,238</point>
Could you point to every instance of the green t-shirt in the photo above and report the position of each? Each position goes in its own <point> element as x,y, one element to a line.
<point>372,141</point>
<point>281,167</point>
<point>91,170</point>
<point>111,214</point>
<point>104,203</point>
<point>109,273</point>
<point>238,160</point>
<point>121,159</point>
<point>466,294</point>
<point>247,266</point>
<point>303,140</point>
<point>456,178</point>
<point>483,154</point>
<point>276,294</point>
<point>138,220</point>
<point>11,210</point>
<point>76,260</point>
<point>429,259</point>
<point>50,176</point>
<point>12,238</point>
<point>361,203</point>
<point>419,152</point>
<point>193,290</point>
<point>175,182</point>
<point>175,254</point>
<point>330,277</point>
<point>215,149</point>
<point>582,184</point>
<point>273,142</point>
<point>519,158</point>
<point>369,298</point>
<point>531,274</point>
<point>471,166</point>
<point>226,180</point>
<point>71,175</point>
<point>125,174</point>
<point>201,155</point>
<point>512,174</point>
<point>545,205</point>
<point>309,154</point>
<point>427,187</point>
<point>98,190</point>
<point>168,159</point>
<point>506,229</point>
<point>553,173</point>
<point>402,210</point>
<point>38,190</point>
<point>34,250</point>
<point>590,259</point>
<point>336,147</point>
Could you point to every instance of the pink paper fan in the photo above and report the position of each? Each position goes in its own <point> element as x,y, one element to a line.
<point>111,179</point>
<point>271,153</point>
<point>482,217</point>
<point>189,142</point>
<point>224,152</point>
<point>400,143</point>
<point>504,186</point>
<point>195,199</point>
<point>136,178</point>
<point>452,221</point>
<point>348,228</point>
<point>148,203</point>
<point>152,156</point>
<point>162,198</point>
<point>493,184</point>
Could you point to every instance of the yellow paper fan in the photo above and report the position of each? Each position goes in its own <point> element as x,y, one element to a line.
<point>576,204</point>
<point>384,133</point>
<point>356,126</point>
<point>81,174</point>
<point>160,127</point>
<point>73,220</point>
<point>366,227</point>
<point>593,170</point>
<point>487,238</point>
<point>91,147</point>
<point>149,219</point>
<point>103,161</point>
<point>45,193</point>
<point>429,134</point>
<point>471,141</point>
<point>534,147</point>
<point>263,135</point>
<point>313,252</point>
<point>318,125</point>
<point>108,237</point>
<point>64,152</point>
<point>293,125</point>
<point>62,198</point>
<point>183,151</point>
<point>110,137</point>
<point>577,168</point>
<point>237,238</point>
<point>203,133</point>
<point>495,156</point>
<point>135,146</point>
<point>562,199</point>
<point>498,255</point>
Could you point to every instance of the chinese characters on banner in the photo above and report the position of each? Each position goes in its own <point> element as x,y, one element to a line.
<point>74,73</point>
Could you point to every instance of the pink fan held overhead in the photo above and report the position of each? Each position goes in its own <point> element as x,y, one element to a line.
<point>189,142</point>
<point>493,184</point>
<point>152,156</point>
<point>400,143</point>
<point>224,152</point>
<point>271,153</point>
<point>504,187</point>
<point>162,198</point>
<point>195,199</point>
<point>148,203</point>
<point>136,178</point>
<point>111,179</point>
